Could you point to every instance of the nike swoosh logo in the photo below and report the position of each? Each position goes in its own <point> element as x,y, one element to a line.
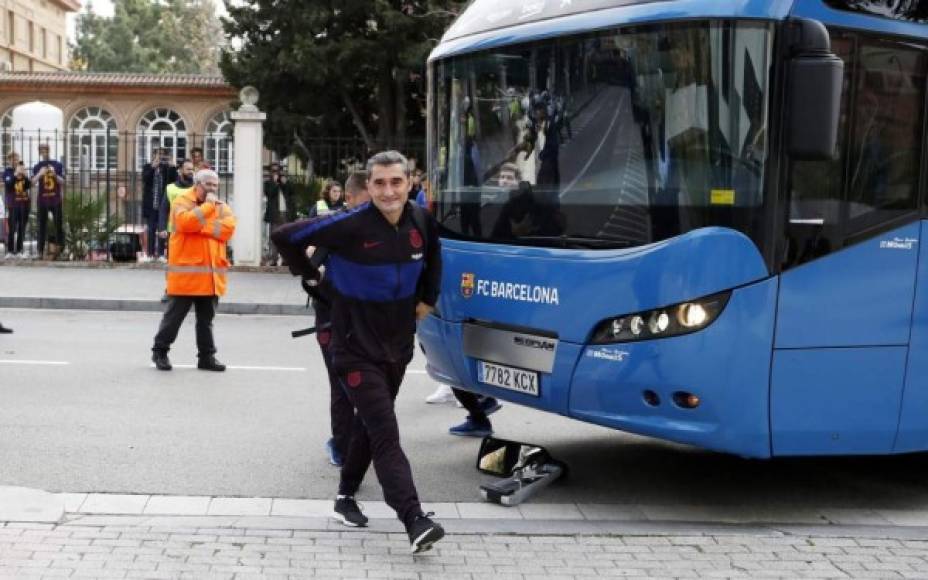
<point>369,245</point>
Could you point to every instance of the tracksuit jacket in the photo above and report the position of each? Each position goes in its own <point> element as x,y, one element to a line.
<point>378,272</point>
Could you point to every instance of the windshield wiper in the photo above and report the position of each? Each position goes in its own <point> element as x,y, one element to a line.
<point>579,241</point>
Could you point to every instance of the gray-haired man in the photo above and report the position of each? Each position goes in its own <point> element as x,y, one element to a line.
<point>197,266</point>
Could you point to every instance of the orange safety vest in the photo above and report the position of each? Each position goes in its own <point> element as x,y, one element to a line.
<point>197,262</point>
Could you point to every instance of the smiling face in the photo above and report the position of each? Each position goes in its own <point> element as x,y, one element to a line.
<point>389,187</point>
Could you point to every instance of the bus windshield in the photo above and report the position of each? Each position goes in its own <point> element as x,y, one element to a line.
<point>609,140</point>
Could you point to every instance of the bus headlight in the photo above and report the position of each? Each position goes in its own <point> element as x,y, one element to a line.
<point>673,320</point>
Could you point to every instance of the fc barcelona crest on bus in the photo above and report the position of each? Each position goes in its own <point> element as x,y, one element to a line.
<point>467,284</point>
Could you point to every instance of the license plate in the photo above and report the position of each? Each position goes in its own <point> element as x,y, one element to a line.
<point>511,378</point>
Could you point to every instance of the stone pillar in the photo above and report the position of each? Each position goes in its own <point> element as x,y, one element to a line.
<point>247,180</point>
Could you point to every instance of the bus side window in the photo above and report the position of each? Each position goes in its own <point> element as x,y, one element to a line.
<point>886,152</point>
<point>874,181</point>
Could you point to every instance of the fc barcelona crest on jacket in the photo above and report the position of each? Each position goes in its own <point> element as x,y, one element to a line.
<point>415,239</point>
<point>467,284</point>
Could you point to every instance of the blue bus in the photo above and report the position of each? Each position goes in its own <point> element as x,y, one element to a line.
<point>696,220</point>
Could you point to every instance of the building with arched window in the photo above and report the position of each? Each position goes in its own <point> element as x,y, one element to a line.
<point>219,149</point>
<point>93,134</point>
<point>161,129</point>
<point>114,121</point>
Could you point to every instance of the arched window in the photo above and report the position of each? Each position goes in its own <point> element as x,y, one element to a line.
<point>94,140</point>
<point>6,135</point>
<point>219,143</point>
<point>161,129</point>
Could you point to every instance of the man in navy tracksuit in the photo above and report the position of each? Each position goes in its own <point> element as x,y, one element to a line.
<point>385,270</point>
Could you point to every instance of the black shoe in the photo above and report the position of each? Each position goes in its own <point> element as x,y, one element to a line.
<point>347,512</point>
<point>162,363</point>
<point>423,532</point>
<point>209,363</point>
<point>5,330</point>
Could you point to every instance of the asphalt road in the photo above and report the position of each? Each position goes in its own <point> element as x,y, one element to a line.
<point>83,410</point>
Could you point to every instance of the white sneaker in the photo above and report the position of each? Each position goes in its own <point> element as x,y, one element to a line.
<point>441,396</point>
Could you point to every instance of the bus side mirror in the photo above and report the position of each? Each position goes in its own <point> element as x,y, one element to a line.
<point>816,78</point>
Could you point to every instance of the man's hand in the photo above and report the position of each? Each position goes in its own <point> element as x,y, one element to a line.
<point>212,198</point>
<point>423,310</point>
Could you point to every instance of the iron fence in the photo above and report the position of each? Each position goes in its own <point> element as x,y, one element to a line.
<point>103,187</point>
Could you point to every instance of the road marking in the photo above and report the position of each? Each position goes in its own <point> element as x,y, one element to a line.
<point>49,363</point>
<point>249,368</point>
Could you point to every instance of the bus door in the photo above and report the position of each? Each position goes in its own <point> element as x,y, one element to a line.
<point>849,262</point>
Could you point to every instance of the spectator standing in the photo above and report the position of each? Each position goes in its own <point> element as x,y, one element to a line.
<point>330,200</point>
<point>277,192</point>
<point>196,157</point>
<point>183,183</point>
<point>16,188</point>
<point>155,179</point>
<point>3,215</point>
<point>196,269</point>
<point>48,175</point>
<point>373,327</point>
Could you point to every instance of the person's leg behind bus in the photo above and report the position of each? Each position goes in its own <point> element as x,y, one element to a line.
<point>477,423</point>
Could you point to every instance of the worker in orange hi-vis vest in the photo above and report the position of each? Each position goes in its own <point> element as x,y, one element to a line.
<point>197,266</point>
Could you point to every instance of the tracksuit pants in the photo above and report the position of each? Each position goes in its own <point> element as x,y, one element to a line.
<point>177,309</point>
<point>341,411</point>
<point>372,389</point>
<point>471,402</point>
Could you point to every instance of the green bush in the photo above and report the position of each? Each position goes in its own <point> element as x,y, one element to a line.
<point>87,225</point>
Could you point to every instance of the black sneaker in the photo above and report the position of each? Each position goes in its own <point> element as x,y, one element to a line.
<point>209,363</point>
<point>347,512</point>
<point>423,532</point>
<point>161,361</point>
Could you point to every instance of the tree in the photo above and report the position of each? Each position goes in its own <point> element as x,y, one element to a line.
<point>153,36</point>
<point>336,66</point>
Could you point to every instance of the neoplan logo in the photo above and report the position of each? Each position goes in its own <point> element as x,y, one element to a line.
<point>538,343</point>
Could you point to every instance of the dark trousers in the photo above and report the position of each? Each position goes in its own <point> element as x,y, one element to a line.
<point>154,242</point>
<point>471,402</point>
<point>19,217</point>
<point>341,411</point>
<point>57,218</point>
<point>372,389</point>
<point>177,309</point>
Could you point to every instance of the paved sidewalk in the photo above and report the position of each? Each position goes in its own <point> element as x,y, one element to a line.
<point>141,536</point>
<point>136,288</point>
<point>95,547</point>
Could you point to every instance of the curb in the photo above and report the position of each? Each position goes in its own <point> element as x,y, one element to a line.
<point>128,266</point>
<point>44,303</point>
